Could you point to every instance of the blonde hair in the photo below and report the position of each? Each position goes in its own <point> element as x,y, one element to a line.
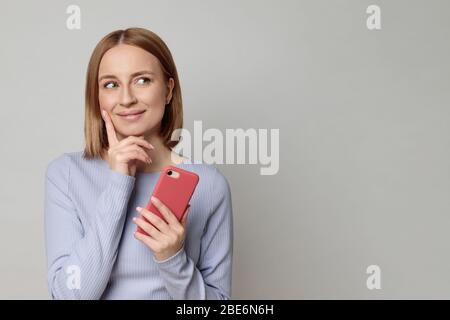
<point>96,139</point>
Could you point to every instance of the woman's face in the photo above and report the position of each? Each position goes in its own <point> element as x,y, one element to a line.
<point>131,80</point>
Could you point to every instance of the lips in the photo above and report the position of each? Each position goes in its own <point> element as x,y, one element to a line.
<point>130,113</point>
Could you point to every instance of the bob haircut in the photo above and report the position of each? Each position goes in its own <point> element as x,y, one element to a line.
<point>96,139</point>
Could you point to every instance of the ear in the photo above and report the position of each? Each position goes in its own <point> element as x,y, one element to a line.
<point>170,86</point>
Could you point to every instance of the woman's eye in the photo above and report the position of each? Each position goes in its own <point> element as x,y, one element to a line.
<point>143,80</point>
<point>108,85</point>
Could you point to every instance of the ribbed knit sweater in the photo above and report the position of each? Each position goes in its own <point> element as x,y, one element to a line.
<point>91,250</point>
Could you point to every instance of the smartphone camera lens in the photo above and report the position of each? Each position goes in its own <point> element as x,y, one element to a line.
<point>169,172</point>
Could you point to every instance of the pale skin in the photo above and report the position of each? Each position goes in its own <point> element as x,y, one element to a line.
<point>130,78</point>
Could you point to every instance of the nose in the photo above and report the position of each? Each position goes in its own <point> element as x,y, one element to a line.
<point>127,97</point>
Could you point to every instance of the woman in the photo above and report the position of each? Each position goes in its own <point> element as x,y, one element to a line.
<point>92,198</point>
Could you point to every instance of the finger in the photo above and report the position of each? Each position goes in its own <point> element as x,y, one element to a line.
<point>166,213</point>
<point>184,219</point>
<point>126,157</point>
<point>135,148</point>
<point>148,241</point>
<point>110,131</point>
<point>148,228</point>
<point>135,140</point>
<point>156,221</point>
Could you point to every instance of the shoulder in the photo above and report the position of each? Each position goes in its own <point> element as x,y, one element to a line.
<point>209,174</point>
<point>57,174</point>
<point>59,168</point>
<point>213,185</point>
<point>63,161</point>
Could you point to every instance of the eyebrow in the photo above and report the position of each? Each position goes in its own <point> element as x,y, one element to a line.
<point>132,75</point>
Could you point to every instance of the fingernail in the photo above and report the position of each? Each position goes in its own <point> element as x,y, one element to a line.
<point>138,209</point>
<point>103,113</point>
<point>134,218</point>
<point>154,199</point>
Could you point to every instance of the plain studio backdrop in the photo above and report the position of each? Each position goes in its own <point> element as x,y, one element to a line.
<point>363,115</point>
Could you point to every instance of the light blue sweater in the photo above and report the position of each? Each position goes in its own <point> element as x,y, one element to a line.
<point>89,235</point>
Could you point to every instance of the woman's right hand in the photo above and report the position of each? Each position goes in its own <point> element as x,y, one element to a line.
<point>122,155</point>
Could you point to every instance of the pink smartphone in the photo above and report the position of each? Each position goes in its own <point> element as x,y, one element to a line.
<point>174,188</point>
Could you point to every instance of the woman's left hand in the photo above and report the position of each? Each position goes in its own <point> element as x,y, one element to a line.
<point>164,239</point>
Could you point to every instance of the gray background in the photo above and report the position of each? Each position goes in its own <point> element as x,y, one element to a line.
<point>364,134</point>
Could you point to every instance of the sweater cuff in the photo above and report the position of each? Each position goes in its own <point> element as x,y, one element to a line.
<point>121,184</point>
<point>176,259</point>
<point>119,190</point>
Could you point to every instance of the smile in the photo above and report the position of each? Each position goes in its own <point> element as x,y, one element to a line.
<point>132,117</point>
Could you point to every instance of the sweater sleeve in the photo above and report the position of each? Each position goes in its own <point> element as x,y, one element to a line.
<point>211,277</point>
<point>80,256</point>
